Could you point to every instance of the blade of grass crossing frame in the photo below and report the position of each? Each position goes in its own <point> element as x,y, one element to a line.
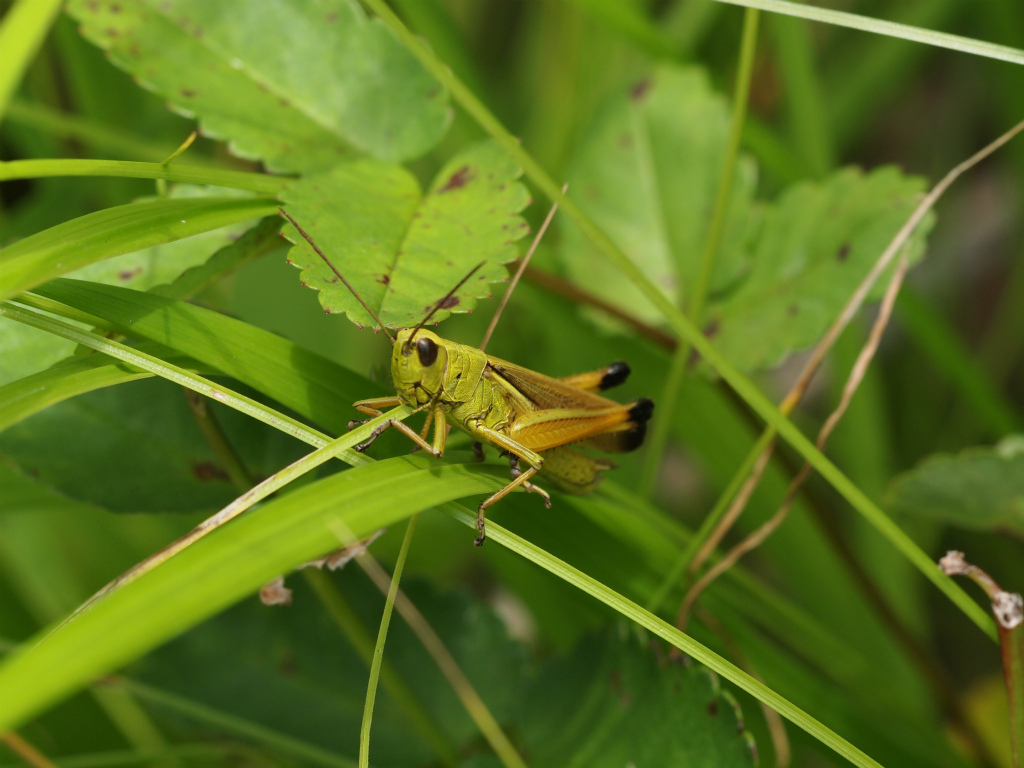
<point>378,650</point>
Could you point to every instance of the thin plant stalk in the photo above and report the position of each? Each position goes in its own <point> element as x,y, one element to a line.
<point>449,667</point>
<point>523,264</point>
<point>853,382</point>
<point>662,426</point>
<point>378,650</point>
<point>888,28</point>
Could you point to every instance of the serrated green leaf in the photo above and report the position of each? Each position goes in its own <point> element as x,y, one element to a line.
<point>113,231</point>
<point>613,703</point>
<point>299,84</point>
<point>311,385</point>
<point>648,174</point>
<point>402,252</point>
<point>817,243</point>
<point>980,488</point>
<point>220,570</point>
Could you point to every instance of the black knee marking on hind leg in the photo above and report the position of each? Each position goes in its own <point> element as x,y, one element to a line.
<point>614,374</point>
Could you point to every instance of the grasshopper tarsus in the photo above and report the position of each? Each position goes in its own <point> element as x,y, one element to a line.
<point>353,424</point>
<point>480,525</point>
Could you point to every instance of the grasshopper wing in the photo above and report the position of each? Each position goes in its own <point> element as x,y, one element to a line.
<point>567,414</point>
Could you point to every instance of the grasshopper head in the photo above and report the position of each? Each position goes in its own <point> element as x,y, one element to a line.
<point>418,365</point>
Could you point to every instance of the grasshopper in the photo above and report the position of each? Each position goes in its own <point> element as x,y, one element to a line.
<point>534,419</point>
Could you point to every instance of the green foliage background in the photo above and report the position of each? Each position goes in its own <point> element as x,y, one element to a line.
<point>407,183</point>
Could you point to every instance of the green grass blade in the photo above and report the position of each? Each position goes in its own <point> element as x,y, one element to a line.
<point>22,31</point>
<point>947,352</point>
<point>94,134</point>
<point>146,362</point>
<point>260,183</point>
<point>220,570</point>
<point>302,380</point>
<point>74,376</point>
<point>888,28</point>
<point>666,631</point>
<point>378,650</point>
<point>111,232</point>
<point>309,753</point>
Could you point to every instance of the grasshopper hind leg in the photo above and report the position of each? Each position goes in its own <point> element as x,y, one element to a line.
<point>519,478</point>
<point>513,465</point>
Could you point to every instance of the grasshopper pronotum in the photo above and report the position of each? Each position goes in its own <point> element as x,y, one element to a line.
<point>531,417</point>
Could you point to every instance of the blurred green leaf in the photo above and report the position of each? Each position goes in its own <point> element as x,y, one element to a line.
<point>980,488</point>
<point>402,252</point>
<point>815,246</point>
<point>136,448</point>
<point>114,231</point>
<point>312,385</point>
<point>71,376</point>
<point>297,85</point>
<point>648,174</point>
<point>22,31</point>
<point>26,351</point>
<point>614,703</point>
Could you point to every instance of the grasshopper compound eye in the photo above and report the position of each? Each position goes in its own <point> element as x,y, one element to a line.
<point>426,349</point>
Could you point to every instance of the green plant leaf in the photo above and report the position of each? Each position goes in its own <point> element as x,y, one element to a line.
<point>302,380</point>
<point>816,244</point>
<point>221,569</point>
<point>402,252</point>
<point>980,488</point>
<point>72,376</point>
<point>26,351</point>
<point>648,175</point>
<point>23,30</point>
<point>613,703</point>
<point>114,231</point>
<point>136,448</point>
<point>297,85</point>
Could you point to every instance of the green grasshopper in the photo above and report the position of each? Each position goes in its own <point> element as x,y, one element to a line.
<point>533,418</point>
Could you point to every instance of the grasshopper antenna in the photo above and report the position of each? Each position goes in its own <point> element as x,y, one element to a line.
<point>444,299</point>
<point>519,273</point>
<point>342,277</point>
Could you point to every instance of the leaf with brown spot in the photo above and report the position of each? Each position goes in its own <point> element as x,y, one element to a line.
<point>403,250</point>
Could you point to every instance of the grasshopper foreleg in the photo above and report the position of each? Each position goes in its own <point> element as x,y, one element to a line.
<point>372,409</point>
